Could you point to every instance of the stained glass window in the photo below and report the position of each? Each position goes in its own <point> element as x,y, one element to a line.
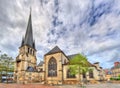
<point>52,67</point>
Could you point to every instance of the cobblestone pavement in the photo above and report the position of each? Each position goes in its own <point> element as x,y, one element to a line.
<point>105,85</point>
<point>24,86</point>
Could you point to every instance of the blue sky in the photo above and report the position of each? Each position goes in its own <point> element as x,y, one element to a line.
<point>91,27</point>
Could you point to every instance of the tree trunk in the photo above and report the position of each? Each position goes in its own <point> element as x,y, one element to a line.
<point>7,70</point>
<point>79,75</point>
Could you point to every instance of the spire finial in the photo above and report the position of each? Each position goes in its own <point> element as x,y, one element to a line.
<point>30,9</point>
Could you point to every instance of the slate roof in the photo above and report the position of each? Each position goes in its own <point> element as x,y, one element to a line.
<point>96,63</point>
<point>41,63</point>
<point>56,49</point>
<point>28,40</point>
<point>71,56</point>
<point>91,64</point>
<point>31,69</point>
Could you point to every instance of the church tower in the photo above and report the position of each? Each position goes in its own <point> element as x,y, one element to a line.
<point>27,54</point>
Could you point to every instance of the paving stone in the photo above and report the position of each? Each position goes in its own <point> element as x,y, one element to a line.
<point>105,85</point>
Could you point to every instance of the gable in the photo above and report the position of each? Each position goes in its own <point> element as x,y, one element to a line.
<point>56,49</point>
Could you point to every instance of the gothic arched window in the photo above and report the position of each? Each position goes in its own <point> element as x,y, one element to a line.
<point>84,75</point>
<point>69,75</point>
<point>52,67</point>
<point>91,74</point>
<point>30,51</point>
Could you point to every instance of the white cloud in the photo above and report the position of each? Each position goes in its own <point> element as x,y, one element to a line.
<point>66,24</point>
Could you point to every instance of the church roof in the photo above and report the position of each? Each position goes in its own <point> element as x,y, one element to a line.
<point>56,49</point>
<point>41,63</point>
<point>28,40</point>
<point>71,56</point>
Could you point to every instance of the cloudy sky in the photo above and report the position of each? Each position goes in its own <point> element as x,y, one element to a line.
<point>91,27</point>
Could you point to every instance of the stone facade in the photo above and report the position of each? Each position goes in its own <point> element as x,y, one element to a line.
<point>62,69</point>
<point>115,71</point>
<point>53,69</point>
<point>25,64</point>
<point>25,59</point>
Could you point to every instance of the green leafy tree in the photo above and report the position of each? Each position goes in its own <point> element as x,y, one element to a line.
<point>6,65</point>
<point>79,65</point>
<point>2,68</point>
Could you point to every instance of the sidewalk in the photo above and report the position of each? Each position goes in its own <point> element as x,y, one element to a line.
<point>103,85</point>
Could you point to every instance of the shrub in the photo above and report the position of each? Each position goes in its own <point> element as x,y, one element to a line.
<point>118,78</point>
<point>115,78</point>
<point>111,78</point>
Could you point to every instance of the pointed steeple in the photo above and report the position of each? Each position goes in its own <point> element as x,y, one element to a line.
<point>22,43</point>
<point>28,40</point>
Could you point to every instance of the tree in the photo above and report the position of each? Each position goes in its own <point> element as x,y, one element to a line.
<point>79,65</point>
<point>2,68</point>
<point>6,65</point>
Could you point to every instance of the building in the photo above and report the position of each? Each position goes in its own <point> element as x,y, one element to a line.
<point>53,69</point>
<point>101,72</point>
<point>56,70</point>
<point>107,74</point>
<point>7,77</point>
<point>25,66</point>
<point>115,70</point>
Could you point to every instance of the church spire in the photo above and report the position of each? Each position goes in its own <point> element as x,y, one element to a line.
<point>28,40</point>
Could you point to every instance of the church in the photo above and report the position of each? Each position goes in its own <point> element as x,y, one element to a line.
<point>53,69</point>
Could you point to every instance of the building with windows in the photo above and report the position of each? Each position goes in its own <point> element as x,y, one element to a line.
<point>56,70</point>
<point>7,77</point>
<point>107,74</point>
<point>115,70</point>
<point>25,64</point>
<point>53,69</point>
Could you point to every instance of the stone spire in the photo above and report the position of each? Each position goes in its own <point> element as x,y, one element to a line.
<point>28,40</point>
